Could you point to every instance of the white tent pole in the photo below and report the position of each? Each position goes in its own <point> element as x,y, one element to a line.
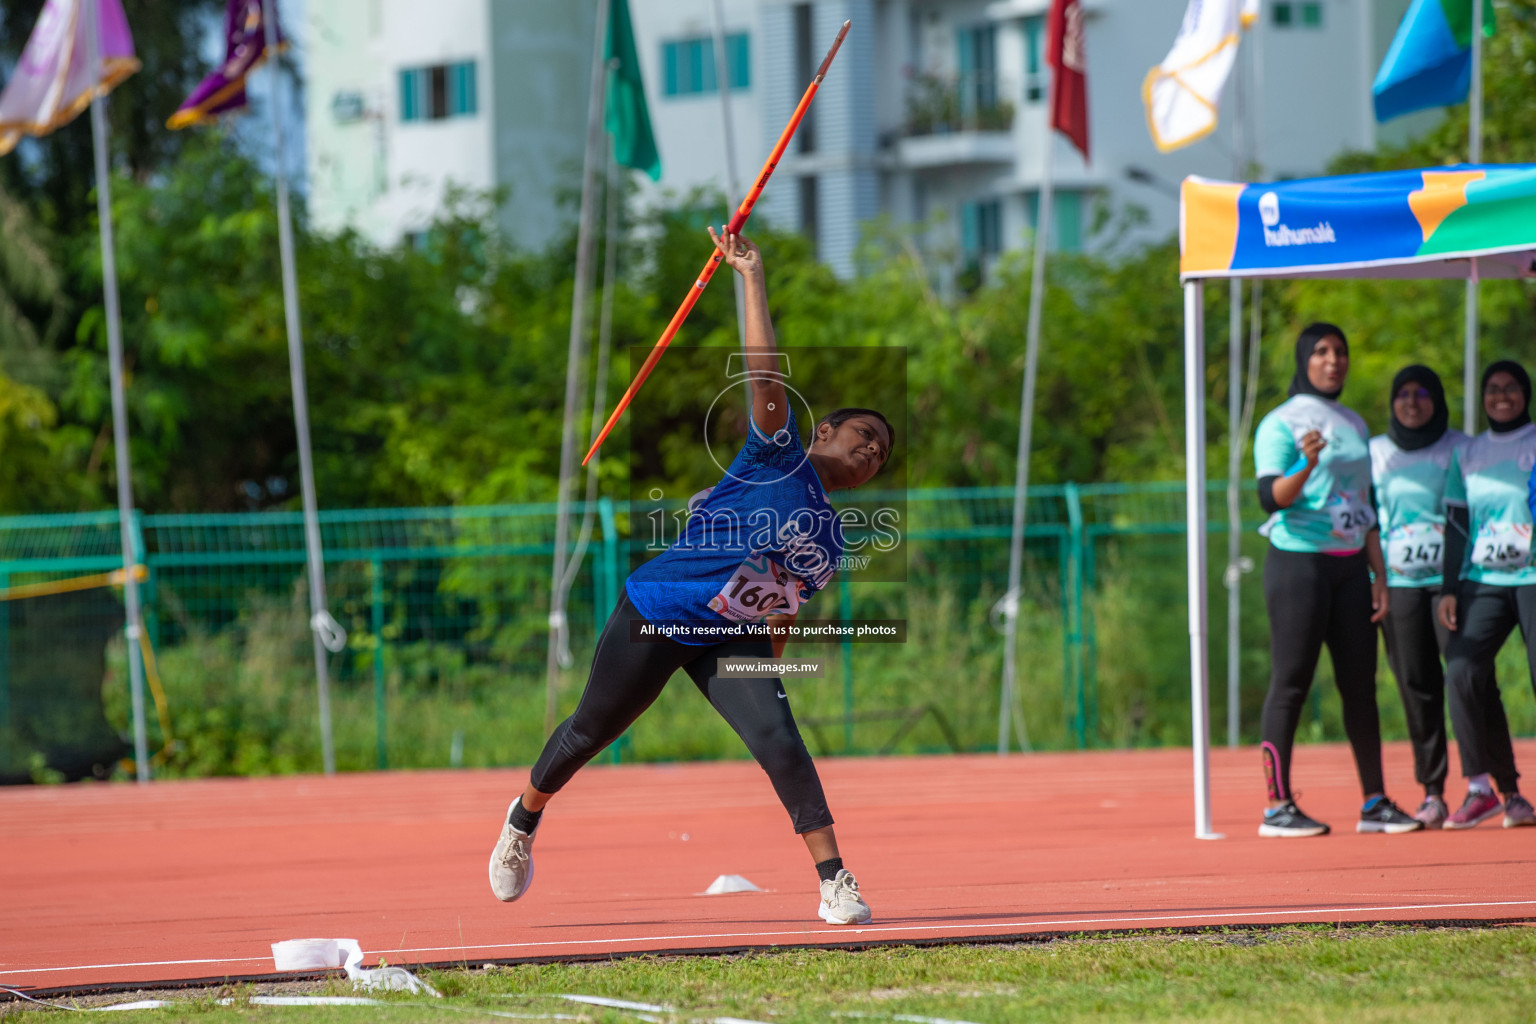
<point>723,83</point>
<point>325,630</point>
<point>1014,596</point>
<point>574,367</point>
<point>1470,402</point>
<point>1194,505</point>
<point>119,405</point>
<point>1233,576</point>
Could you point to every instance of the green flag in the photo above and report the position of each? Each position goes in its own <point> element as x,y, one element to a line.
<point>628,119</point>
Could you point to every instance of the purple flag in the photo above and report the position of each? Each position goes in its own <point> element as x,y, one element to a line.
<point>245,48</point>
<point>57,76</point>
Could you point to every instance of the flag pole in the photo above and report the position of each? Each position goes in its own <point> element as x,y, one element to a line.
<point>723,81</point>
<point>1469,402</point>
<point>575,364</point>
<point>327,632</point>
<point>131,607</point>
<point>1014,596</point>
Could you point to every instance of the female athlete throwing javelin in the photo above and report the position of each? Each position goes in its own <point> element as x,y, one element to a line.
<point>764,540</point>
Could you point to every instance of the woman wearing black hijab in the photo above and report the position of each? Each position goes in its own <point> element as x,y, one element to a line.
<point>1324,579</point>
<point>1488,537</point>
<point>1408,467</point>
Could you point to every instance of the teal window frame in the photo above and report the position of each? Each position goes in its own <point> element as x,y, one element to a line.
<point>462,91</point>
<point>688,65</point>
<point>981,228</point>
<point>1034,59</point>
<point>1067,211</point>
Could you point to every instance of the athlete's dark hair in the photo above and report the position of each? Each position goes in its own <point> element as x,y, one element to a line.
<point>837,417</point>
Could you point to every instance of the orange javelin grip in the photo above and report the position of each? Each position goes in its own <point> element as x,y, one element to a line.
<point>734,227</point>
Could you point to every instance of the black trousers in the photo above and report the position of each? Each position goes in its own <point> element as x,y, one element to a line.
<point>1485,616</point>
<point>1415,642</point>
<point>628,675</point>
<point>1313,600</point>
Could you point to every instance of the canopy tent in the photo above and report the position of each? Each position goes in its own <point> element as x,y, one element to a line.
<point>1462,222</point>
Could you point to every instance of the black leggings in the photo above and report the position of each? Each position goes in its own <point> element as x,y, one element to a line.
<point>1315,599</point>
<point>1485,616</point>
<point>628,675</point>
<point>1415,642</point>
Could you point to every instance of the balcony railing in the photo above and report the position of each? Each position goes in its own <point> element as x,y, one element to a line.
<point>970,102</point>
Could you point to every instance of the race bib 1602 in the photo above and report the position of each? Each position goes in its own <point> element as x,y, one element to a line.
<point>758,588</point>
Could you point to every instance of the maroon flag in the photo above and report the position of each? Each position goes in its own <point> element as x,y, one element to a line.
<point>1064,50</point>
<point>245,48</point>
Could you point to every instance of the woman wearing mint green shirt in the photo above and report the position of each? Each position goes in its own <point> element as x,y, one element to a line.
<point>1488,536</point>
<point>1324,579</point>
<point>1408,467</point>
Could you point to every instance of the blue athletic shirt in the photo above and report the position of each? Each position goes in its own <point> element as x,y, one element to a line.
<point>761,543</point>
<point>1491,476</point>
<point>1334,511</point>
<point>1410,502</point>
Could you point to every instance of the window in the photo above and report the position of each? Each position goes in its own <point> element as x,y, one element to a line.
<point>1067,211</point>
<point>689,65</point>
<point>978,69</point>
<point>1034,66</point>
<point>981,228</point>
<point>805,60</point>
<point>1069,221</point>
<point>808,200</point>
<point>1292,15</point>
<point>438,91</point>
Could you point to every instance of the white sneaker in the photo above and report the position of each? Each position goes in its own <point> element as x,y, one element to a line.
<point>512,861</point>
<point>841,902</point>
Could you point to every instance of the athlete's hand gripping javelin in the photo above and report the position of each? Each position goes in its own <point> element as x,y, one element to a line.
<point>770,402</point>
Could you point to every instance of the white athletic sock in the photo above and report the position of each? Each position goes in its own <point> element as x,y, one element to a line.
<point>1480,783</point>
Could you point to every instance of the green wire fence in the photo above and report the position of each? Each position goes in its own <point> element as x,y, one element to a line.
<point>446,615</point>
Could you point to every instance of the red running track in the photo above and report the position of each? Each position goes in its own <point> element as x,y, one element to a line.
<point>116,883</point>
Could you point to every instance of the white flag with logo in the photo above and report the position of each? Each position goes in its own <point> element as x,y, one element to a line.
<point>1181,93</point>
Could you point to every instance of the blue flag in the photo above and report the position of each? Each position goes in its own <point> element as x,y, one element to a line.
<point>1430,61</point>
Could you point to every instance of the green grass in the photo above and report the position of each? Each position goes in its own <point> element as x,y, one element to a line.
<point>1293,974</point>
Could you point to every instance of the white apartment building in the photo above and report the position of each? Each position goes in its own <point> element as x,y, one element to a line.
<point>932,113</point>
<point>407,98</point>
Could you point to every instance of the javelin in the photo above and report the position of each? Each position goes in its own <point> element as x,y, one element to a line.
<point>734,227</point>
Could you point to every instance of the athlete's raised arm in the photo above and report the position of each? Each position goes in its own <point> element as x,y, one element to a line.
<point>770,404</point>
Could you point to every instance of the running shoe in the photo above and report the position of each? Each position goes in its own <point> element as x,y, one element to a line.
<point>1518,812</point>
<point>1476,809</point>
<point>841,902</point>
<point>1386,816</point>
<point>1432,812</point>
<point>1288,822</point>
<point>512,861</point>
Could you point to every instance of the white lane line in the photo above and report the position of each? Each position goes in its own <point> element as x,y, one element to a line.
<point>616,1004</point>
<point>807,934</point>
<point>139,963</point>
